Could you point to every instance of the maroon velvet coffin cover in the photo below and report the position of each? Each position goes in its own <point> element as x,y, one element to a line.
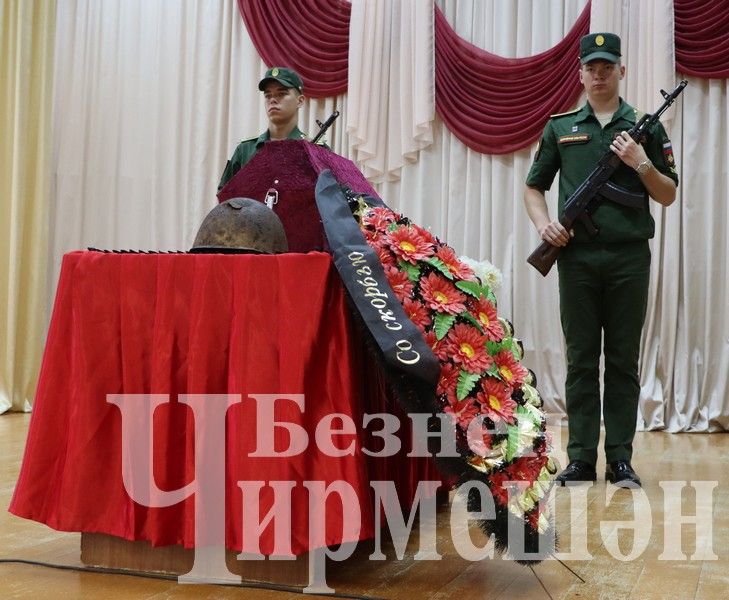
<point>292,168</point>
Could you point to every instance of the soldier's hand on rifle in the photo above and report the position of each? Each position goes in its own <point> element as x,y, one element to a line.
<point>554,233</point>
<point>631,153</point>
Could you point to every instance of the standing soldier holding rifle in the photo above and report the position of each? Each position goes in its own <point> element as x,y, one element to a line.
<point>610,161</point>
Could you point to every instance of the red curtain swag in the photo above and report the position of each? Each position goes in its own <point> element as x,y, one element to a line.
<point>498,105</point>
<point>310,36</point>
<point>494,105</point>
<point>702,37</point>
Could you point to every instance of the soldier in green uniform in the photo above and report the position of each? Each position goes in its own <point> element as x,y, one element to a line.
<point>283,92</point>
<point>603,280</point>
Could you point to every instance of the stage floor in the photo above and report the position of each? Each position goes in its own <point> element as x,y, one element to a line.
<point>660,459</point>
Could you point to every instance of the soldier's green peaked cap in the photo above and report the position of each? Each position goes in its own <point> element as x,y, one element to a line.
<point>286,77</point>
<point>605,46</point>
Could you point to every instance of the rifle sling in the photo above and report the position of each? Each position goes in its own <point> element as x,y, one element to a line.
<point>619,195</point>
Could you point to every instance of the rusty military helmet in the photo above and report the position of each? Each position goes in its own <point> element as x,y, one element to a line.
<point>241,225</point>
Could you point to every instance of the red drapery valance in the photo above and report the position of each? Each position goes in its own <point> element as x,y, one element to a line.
<point>494,105</point>
<point>310,36</point>
<point>498,105</point>
<point>702,37</point>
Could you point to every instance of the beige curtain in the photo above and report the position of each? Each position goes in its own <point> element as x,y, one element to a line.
<point>151,98</point>
<point>26,67</point>
<point>391,88</point>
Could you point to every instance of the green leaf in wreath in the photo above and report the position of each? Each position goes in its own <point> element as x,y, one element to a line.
<point>528,411</point>
<point>472,288</point>
<point>512,442</point>
<point>466,382</point>
<point>505,344</point>
<point>440,265</point>
<point>443,323</point>
<point>472,320</point>
<point>413,271</point>
<point>515,348</point>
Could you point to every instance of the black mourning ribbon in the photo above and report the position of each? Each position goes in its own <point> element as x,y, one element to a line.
<point>400,341</point>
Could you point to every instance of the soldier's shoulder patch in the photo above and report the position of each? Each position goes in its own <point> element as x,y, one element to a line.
<point>564,114</point>
<point>668,155</point>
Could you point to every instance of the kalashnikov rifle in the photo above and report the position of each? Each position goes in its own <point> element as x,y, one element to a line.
<point>324,126</point>
<point>590,193</point>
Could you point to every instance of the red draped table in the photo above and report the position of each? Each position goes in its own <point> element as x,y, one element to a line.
<point>184,323</point>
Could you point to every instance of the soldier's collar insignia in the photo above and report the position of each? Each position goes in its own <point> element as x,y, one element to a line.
<point>563,114</point>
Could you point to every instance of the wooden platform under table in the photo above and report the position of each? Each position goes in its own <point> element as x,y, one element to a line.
<point>111,552</point>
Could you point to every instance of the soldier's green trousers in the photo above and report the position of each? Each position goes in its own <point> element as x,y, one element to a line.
<point>603,291</point>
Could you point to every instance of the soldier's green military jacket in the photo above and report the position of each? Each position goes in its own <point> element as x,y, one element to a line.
<point>573,143</point>
<point>247,149</point>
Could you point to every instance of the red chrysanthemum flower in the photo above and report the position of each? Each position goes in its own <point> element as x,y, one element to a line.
<point>466,347</point>
<point>425,234</point>
<point>479,442</point>
<point>498,488</point>
<point>454,265</point>
<point>439,347</point>
<point>526,468</point>
<point>532,518</point>
<point>510,370</point>
<point>451,397</point>
<point>485,312</point>
<point>387,258</point>
<point>448,378</point>
<point>408,244</point>
<point>376,239</point>
<point>495,400</point>
<point>416,312</point>
<point>379,218</point>
<point>400,283</point>
<point>462,412</point>
<point>441,295</point>
<point>501,481</point>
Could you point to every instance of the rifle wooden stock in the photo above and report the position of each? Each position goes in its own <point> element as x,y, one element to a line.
<point>544,257</point>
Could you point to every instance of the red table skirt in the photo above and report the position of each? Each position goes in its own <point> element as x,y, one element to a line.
<point>179,323</point>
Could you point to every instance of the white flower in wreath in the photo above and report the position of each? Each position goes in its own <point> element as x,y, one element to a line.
<point>487,273</point>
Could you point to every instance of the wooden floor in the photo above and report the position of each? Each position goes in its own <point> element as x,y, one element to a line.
<point>658,457</point>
